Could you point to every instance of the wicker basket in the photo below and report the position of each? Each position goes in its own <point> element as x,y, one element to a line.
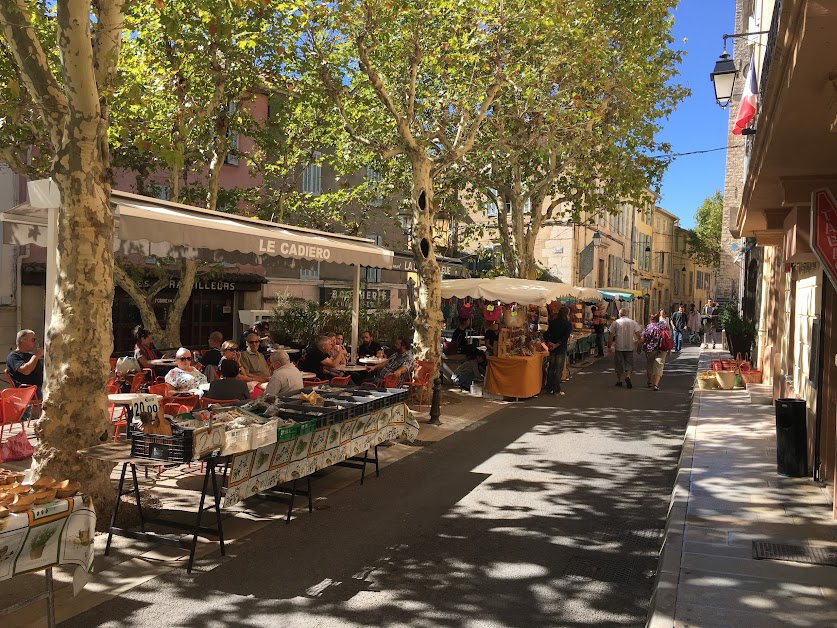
<point>726,379</point>
<point>706,380</point>
<point>751,377</point>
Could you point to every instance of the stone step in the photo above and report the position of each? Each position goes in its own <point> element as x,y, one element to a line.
<point>760,394</point>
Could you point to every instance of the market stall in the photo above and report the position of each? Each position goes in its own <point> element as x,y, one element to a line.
<point>259,446</point>
<point>519,308</point>
<point>43,525</point>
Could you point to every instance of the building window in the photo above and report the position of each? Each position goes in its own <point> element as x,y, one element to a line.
<point>158,191</point>
<point>373,275</point>
<point>375,178</point>
<point>490,205</point>
<point>312,176</point>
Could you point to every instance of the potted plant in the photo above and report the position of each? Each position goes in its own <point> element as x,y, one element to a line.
<point>741,333</point>
<point>39,541</point>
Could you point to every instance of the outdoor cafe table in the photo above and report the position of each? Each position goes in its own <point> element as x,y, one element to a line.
<point>58,533</point>
<point>255,471</point>
<point>163,362</point>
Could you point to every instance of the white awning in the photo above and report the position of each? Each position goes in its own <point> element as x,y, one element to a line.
<point>142,218</point>
<point>508,290</point>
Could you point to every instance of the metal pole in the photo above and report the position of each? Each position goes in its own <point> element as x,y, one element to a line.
<point>435,403</point>
<point>355,311</point>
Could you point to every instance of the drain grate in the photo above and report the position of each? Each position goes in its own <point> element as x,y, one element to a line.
<point>584,568</point>
<point>795,553</point>
<point>630,537</point>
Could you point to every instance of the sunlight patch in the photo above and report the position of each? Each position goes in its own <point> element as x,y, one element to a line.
<point>515,571</point>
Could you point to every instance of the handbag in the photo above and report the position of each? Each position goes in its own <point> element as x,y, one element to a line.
<point>514,316</point>
<point>128,364</point>
<point>491,312</point>
<point>466,308</point>
<point>17,447</point>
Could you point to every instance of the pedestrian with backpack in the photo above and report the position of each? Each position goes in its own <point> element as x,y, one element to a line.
<point>657,344</point>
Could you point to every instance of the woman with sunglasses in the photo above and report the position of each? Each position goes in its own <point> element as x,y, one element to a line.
<point>184,377</point>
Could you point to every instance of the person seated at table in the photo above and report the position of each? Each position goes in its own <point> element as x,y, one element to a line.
<point>458,338</point>
<point>400,362</point>
<point>229,351</point>
<point>24,363</point>
<point>318,359</point>
<point>213,355</point>
<point>471,370</point>
<point>261,328</point>
<point>144,348</point>
<point>184,377</point>
<point>228,387</point>
<point>286,377</point>
<point>252,360</point>
<point>368,347</point>
<point>338,353</point>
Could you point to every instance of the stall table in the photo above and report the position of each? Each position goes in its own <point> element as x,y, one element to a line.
<point>518,376</point>
<point>58,533</point>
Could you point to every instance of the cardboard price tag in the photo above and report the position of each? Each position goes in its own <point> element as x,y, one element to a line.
<point>147,404</point>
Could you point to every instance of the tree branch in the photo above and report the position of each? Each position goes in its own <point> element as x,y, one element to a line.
<point>31,60</point>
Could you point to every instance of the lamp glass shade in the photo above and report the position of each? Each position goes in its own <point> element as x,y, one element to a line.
<point>723,79</point>
<point>597,239</point>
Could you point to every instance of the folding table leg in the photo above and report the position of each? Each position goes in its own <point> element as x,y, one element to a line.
<point>210,468</point>
<point>137,497</point>
<point>363,468</point>
<point>50,592</point>
<point>377,468</point>
<point>197,523</point>
<point>310,495</point>
<point>116,506</point>
<point>291,504</point>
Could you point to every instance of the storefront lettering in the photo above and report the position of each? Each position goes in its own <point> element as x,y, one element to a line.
<point>201,284</point>
<point>289,249</point>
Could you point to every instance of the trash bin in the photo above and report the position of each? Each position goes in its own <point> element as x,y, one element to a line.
<point>791,437</point>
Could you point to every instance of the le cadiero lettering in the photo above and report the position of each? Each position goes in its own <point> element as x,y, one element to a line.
<point>292,249</point>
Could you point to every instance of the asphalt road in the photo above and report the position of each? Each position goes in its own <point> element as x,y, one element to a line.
<point>547,513</point>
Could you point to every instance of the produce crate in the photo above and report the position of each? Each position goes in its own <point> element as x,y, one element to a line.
<point>263,434</point>
<point>328,414</point>
<point>288,432</point>
<point>236,441</point>
<point>308,426</point>
<point>175,448</point>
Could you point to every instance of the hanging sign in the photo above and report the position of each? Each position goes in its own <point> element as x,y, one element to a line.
<point>824,231</point>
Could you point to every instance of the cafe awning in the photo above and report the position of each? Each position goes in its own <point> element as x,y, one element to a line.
<point>152,220</point>
<point>612,294</point>
<point>448,266</point>
<point>508,290</point>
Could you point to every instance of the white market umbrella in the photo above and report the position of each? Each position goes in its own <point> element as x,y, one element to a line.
<point>507,290</point>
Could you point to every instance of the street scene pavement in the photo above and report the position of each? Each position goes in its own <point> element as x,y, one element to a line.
<point>550,512</point>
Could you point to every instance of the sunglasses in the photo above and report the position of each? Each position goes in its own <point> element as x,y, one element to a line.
<point>185,357</point>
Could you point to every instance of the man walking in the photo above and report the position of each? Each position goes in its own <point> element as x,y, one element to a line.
<point>679,322</point>
<point>624,336</point>
<point>557,338</point>
<point>710,317</point>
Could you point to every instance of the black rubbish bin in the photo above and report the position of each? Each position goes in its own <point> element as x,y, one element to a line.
<point>791,438</point>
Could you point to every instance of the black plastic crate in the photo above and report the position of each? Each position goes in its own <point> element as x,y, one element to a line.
<point>398,395</point>
<point>175,448</point>
<point>328,414</point>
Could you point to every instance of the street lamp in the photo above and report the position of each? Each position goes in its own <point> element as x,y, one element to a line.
<point>405,221</point>
<point>597,239</point>
<point>723,76</point>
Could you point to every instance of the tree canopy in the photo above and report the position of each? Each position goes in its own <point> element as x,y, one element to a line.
<point>705,238</point>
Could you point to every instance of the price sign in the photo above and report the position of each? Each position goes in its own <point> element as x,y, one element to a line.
<point>146,404</point>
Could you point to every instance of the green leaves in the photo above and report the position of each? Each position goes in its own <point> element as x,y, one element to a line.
<point>705,238</point>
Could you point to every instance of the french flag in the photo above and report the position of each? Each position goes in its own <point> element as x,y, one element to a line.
<point>747,108</point>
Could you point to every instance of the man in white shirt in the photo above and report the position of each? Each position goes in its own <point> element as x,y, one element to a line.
<point>624,336</point>
<point>285,378</point>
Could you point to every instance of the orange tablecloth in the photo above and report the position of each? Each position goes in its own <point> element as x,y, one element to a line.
<point>515,376</point>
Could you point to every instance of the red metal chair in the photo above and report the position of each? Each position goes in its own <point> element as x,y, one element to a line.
<point>113,364</point>
<point>35,403</point>
<point>139,380</point>
<point>159,389</point>
<point>341,381</point>
<point>174,409</point>
<point>13,404</point>
<point>389,381</point>
<point>113,389</point>
<point>314,382</point>
<point>420,381</point>
<point>190,401</point>
<point>119,418</point>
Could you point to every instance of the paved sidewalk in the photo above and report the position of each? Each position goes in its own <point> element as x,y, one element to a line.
<point>728,495</point>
